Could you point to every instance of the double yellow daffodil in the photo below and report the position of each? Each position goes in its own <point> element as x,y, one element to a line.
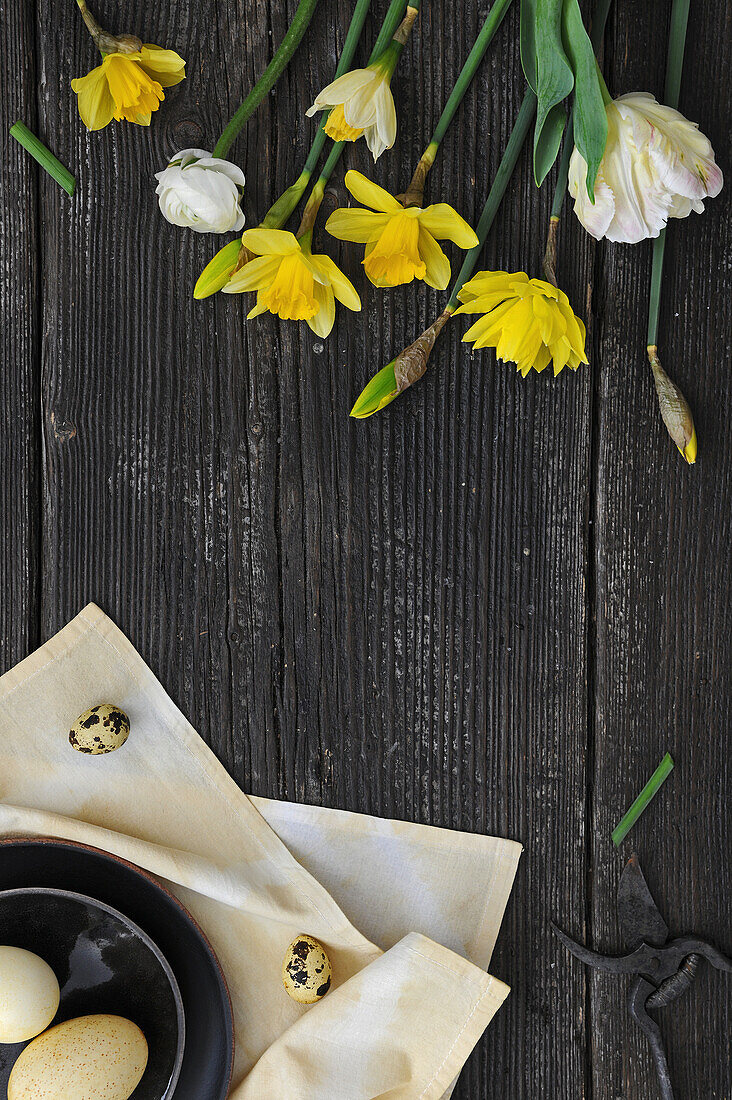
<point>401,241</point>
<point>290,281</point>
<point>528,321</point>
<point>127,86</point>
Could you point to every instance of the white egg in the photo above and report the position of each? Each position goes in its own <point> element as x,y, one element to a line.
<point>89,1058</point>
<point>29,995</point>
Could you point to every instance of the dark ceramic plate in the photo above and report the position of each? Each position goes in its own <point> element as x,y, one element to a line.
<point>63,865</point>
<point>104,963</point>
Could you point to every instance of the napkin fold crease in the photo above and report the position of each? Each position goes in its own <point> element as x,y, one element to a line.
<point>409,913</point>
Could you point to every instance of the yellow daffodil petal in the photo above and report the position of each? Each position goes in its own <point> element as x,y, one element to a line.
<point>136,95</point>
<point>358,226</point>
<point>165,66</point>
<point>259,308</point>
<point>94,99</point>
<point>437,265</point>
<point>370,194</point>
<point>270,242</point>
<point>322,321</point>
<point>444,223</point>
<point>529,322</point>
<point>255,275</point>
<point>343,288</point>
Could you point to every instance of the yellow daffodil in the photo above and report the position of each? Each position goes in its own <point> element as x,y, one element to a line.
<point>528,321</point>
<point>292,282</point>
<point>401,241</point>
<point>361,103</point>
<point>127,86</point>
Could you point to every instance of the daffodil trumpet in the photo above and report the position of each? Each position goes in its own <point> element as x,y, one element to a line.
<point>229,260</point>
<point>673,406</point>
<point>360,102</point>
<point>129,84</point>
<point>410,365</point>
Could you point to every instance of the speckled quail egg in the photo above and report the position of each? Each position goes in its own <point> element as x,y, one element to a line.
<point>306,970</point>
<point>29,995</point>
<point>91,1056</point>
<point>100,729</point>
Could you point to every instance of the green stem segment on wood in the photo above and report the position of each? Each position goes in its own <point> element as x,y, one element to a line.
<point>269,77</point>
<point>415,192</point>
<point>651,788</point>
<point>44,156</point>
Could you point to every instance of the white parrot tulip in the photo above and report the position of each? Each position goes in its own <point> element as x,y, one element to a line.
<point>201,192</point>
<point>657,165</point>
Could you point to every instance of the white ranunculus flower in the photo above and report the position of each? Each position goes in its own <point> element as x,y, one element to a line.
<point>201,192</point>
<point>361,103</point>
<point>657,165</point>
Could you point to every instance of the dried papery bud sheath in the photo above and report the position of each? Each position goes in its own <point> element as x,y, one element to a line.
<point>549,263</point>
<point>410,364</point>
<point>103,40</point>
<point>403,31</point>
<point>674,407</point>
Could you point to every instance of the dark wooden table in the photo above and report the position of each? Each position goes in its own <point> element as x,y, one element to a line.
<point>492,608</point>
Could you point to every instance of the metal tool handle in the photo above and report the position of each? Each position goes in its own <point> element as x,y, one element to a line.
<point>639,994</point>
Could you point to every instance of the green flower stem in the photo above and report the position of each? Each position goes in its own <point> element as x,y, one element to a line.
<point>674,67</point>
<point>414,194</point>
<point>498,189</point>
<point>493,21</point>
<point>44,156</point>
<point>391,53</point>
<point>269,77</point>
<point>651,788</point>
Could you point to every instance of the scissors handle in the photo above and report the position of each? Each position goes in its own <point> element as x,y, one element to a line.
<point>640,992</point>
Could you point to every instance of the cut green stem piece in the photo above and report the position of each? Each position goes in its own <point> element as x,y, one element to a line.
<point>270,76</point>
<point>44,156</point>
<point>651,788</point>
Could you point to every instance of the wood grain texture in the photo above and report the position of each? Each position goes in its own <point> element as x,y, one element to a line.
<point>662,587</point>
<point>491,608</point>
<point>20,444</point>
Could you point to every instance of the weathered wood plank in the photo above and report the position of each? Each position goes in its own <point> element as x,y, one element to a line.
<point>19,321</point>
<point>661,588</point>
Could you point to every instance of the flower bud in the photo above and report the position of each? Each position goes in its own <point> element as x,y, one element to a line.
<point>201,192</point>
<point>675,410</point>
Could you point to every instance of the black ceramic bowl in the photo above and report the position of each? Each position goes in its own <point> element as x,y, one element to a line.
<point>104,963</point>
<point>205,1072</point>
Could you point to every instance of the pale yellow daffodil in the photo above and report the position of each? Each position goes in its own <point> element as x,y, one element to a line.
<point>292,282</point>
<point>127,86</point>
<point>528,321</point>
<point>361,103</point>
<point>401,241</point>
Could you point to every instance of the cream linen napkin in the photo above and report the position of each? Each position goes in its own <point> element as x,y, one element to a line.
<point>255,873</point>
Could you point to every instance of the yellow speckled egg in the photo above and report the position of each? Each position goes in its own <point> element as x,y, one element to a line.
<point>306,970</point>
<point>29,995</point>
<point>100,729</point>
<point>99,1057</point>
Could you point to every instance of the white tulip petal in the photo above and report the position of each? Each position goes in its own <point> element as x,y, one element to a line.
<point>657,165</point>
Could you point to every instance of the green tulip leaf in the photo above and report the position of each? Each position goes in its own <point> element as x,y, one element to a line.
<point>590,116</point>
<point>549,74</point>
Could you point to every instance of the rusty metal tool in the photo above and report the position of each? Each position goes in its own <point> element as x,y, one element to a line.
<point>663,968</point>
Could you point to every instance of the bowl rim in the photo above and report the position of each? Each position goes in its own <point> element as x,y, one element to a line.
<point>18,839</point>
<point>94,903</point>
